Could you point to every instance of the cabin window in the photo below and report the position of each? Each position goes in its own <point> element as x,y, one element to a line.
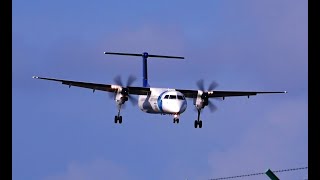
<point>166,96</point>
<point>173,97</point>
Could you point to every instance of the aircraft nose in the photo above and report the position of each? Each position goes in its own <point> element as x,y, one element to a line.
<point>176,108</point>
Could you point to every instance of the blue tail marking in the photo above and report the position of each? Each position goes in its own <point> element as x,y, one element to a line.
<point>145,70</point>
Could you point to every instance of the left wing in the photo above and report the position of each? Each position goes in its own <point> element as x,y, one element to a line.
<point>223,94</point>
<point>101,87</point>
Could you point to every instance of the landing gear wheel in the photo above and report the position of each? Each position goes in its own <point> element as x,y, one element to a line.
<point>197,123</point>
<point>176,120</point>
<point>115,119</point>
<point>120,119</point>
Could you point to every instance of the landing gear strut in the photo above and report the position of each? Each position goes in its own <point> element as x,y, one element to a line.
<point>198,122</point>
<point>118,118</point>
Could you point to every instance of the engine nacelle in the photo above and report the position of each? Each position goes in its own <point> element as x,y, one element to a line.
<point>121,97</point>
<point>202,100</point>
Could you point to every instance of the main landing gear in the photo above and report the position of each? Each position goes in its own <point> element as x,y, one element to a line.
<point>118,118</point>
<point>198,123</point>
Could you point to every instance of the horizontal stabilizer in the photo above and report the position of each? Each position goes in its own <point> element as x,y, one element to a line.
<point>145,55</point>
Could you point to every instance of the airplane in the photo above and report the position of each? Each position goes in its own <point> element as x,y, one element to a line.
<point>164,101</point>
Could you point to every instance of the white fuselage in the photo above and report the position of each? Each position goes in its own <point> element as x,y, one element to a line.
<point>163,101</point>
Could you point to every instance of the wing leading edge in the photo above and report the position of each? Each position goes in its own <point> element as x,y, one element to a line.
<point>96,86</point>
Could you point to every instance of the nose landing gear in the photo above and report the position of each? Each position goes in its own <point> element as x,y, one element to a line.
<point>176,118</point>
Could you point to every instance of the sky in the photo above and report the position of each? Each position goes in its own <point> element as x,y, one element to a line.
<point>69,134</point>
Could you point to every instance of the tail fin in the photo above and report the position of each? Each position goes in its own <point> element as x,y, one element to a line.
<point>145,56</point>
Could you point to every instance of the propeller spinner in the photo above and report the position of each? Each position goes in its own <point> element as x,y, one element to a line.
<point>125,90</point>
<point>205,94</point>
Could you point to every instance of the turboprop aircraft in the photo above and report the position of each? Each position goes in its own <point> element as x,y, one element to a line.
<point>165,101</point>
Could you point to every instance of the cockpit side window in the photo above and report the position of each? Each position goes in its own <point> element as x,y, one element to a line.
<point>166,96</point>
<point>180,97</point>
<point>173,97</point>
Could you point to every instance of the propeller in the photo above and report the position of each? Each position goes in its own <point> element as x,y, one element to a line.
<point>212,86</point>
<point>205,94</point>
<point>125,90</point>
<point>130,80</point>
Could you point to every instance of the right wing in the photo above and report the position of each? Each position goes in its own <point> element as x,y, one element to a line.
<point>101,87</point>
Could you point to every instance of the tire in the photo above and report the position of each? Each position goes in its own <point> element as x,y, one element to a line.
<point>195,124</point>
<point>177,120</point>
<point>200,124</point>
<point>115,119</point>
<point>120,119</point>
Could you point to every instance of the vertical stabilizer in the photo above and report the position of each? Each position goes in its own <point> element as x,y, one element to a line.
<point>145,70</point>
<point>145,56</point>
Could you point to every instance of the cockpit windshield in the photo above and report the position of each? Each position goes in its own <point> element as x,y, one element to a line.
<point>174,97</point>
<point>180,97</point>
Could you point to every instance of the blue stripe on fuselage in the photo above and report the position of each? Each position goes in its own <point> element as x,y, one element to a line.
<point>159,101</point>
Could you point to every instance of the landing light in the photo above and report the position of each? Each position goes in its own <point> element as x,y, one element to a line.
<point>115,87</point>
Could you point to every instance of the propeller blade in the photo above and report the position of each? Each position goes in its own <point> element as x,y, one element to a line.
<point>118,81</point>
<point>133,100</point>
<point>111,95</point>
<point>212,107</point>
<point>200,84</point>
<point>130,80</point>
<point>212,86</point>
<point>124,106</point>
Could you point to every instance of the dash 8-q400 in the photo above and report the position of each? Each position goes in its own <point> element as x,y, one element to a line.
<point>154,100</point>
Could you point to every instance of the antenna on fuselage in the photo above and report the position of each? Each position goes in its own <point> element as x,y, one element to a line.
<point>145,56</point>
